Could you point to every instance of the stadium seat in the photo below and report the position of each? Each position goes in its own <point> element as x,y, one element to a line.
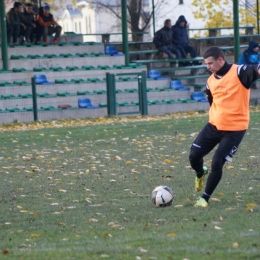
<point>186,100</point>
<point>112,50</point>
<point>135,103</point>
<point>177,85</point>
<point>61,81</point>
<point>82,92</point>
<point>77,81</point>
<point>119,91</point>
<point>102,104</point>
<point>50,55</point>
<point>25,95</point>
<point>76,43</point>
<point>43,94</point>
<point>33,56</point>
<point>122,104</point>
<point>99,92</point>
<point>155,74</point>
<point>18,69</point>
<point>56,68</point>
<point>103,67</point>
<point>21,83</point>
<point>7,96</point>
<point>66,55</point>
<point>41,79</point>
<point>70,68</point>
<point>12,109</point>
<point>97,54</point>
<point>84,54</point>
<point>17,57</point>
<point>168,101</point>
<point>94,80</point>
<point>124,78</point>
<point>131,90</point>
<point>88,67</point>
<point>5,83</point>
<point>153,102</point>
<point>199,96</point>
<point>64,106</point>
<point>38,69</point>
<point>47,108</point>
<point>63,94</point>
<point>85,103</point>
<point>28,109</point>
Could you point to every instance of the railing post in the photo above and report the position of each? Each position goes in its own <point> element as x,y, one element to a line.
<point>111,94</point>
<point>34,99</point>
<point>142,93</point>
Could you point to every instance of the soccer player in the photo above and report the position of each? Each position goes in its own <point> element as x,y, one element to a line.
<point>228,92</point>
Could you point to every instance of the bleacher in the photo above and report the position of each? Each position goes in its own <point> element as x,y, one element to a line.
<point>75,74</point>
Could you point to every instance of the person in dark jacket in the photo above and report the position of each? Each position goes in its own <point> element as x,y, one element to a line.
<point>14,20</point>
<point>46,24</point>
<point>181,39</point>
<point>28,33</point>
<point>163,40</point>
<point>250,55</point>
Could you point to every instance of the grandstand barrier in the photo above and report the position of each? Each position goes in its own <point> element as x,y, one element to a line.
<point>111,93</point>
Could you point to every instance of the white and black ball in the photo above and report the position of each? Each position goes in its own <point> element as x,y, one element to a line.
<point>162,196</point>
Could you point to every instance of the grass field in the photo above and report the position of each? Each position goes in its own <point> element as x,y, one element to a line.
<point>85,193</point>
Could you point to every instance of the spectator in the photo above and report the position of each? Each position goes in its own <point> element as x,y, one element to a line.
<point>250,55</point>
<point>15,20</point>
<point>181,39</point>
<point>47,25</point>
<point>28,33</point>
<point>163,40</point>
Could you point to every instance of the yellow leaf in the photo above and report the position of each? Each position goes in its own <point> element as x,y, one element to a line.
<point>218,228</point>
<point>24,211</point>
<point>167,160</point>
<point>235,245</point>
<point>62,191</point>
<point>229,208</point>
<point>215,199</point>
<point>93,220</point>
<point>182,139</point>
<point>251,205</point>
<point>128,161</point>
<point>107,235</point>
<point>230,167</point>
<point>19,207</point>
<point>171,235</point>
<point>87,171</point>
<point>35,235</point>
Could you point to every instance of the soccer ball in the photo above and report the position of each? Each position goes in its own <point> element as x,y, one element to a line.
<point>162,196</point>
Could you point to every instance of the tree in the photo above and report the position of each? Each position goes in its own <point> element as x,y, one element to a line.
<point>138,18</point>
<point>219,13</point>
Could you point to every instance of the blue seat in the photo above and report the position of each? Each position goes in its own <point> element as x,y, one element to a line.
<point>199,96</point>
<point>85,103</point>
<point>42,80</point>
<point>112,50</point>
<point>177,85</point>
<point>155,74</point>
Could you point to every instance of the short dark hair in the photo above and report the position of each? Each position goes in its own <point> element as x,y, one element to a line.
<point>214,52</point>
<point>28,5</point>
<point>167,21</point>
<point>17,4</point>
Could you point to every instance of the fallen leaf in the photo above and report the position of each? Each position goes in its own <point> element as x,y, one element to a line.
<point>218,228</point>
<point>93,220</point>
<point>171,235</point>
<point>235,245</point>
<point>215,199</point>
<point>251,205</point>
<point>35,235</point>
<point>62,191</point>
<point>107,235</point>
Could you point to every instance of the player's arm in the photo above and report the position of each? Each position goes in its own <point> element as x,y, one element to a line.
<point>209,95</point>
<point>248,74</point>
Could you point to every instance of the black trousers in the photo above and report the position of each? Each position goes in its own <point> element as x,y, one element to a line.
<point>207,139</point>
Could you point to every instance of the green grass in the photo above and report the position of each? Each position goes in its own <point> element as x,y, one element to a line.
<point>85,193</point>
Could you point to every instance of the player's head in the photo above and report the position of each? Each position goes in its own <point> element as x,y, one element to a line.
<point>28,7</point>
<point>214,59</point>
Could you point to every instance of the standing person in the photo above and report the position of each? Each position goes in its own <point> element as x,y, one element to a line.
<point>15,20</point>
<point>46,24</point>
<point>228,94</point>
<point>250,55</point>
<point>181,39</point>
<point>163,40</point>
<point>28,33</point>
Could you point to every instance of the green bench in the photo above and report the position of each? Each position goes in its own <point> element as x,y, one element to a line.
<point>171,61</point>
<point>231,48</point>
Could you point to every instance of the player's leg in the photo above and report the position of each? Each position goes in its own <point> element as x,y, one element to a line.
<point>207,139</point>
<point>227,148</point>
